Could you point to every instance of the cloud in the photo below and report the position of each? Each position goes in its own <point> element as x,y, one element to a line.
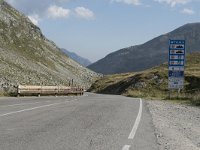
<point>173,3</point>
<point>84,13</point>
<point>34,18</point>
<point>188,11</point>
<point>130,2</point>
<point>51,9</point>
<point>57,12</point>
<point>31,6</point>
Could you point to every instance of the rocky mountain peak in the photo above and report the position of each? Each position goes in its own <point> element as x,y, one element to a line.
<point>28,57</point>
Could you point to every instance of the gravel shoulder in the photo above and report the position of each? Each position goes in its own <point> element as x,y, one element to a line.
<point>177,126</point>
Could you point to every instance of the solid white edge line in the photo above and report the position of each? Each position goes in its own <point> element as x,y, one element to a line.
<point>126,147</point>
<point>29,109</point>
<point>137,122</point>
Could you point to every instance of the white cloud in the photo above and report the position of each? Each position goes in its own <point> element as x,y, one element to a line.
<point>31,6</point>
<point>85,13</point>
<point>188,11</point>
<point>28,6</point>
<point>173,3</point>
<point>34,18</point>
<point>130,2</point>
<point>57,12</point>
<point>49,9</point>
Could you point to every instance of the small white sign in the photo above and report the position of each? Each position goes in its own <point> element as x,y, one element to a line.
<point>176,62</point>
<point>177,46</point>
<point>179,57</point>
<point>177,51</point>
<point>176,68</point>
<point>176,83</point>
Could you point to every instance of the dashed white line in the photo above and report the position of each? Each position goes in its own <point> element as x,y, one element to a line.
<point>137,122</point>
<point>22,104</point>
<point>33,108</point>
<point>126,147</point>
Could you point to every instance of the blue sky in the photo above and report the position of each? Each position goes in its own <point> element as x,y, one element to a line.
<point>95,28</point>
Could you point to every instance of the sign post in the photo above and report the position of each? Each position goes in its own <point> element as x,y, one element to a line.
<point>176,64</point>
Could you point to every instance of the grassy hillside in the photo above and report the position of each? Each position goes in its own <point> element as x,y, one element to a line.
<point>28,57</point>
<point>153,83</point>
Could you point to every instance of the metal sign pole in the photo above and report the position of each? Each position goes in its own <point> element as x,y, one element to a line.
<point>169,94</point>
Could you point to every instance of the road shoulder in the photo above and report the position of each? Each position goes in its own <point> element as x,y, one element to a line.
<point>177,126</point>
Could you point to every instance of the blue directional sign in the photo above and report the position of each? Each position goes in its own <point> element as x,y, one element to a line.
<point>176,74</point>
<point>176,63</point>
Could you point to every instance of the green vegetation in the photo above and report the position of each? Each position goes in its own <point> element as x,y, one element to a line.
<point>153,83</point>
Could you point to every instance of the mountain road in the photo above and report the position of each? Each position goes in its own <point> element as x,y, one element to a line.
<point>89,122</point>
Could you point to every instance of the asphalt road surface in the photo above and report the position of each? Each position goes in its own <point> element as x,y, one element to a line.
<point>90,122</point>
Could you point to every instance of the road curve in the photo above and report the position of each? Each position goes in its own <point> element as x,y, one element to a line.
<point>90,122</point>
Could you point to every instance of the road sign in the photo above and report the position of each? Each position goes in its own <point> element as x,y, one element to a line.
<point>176,83</point>
<point>176,64</point>
<point>176,74</point>
<point>176,68</point>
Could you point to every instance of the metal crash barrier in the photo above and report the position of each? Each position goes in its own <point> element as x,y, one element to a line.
<point>24,90</point>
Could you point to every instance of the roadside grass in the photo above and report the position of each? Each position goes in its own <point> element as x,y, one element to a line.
<point>185,98</point>
<point>4,94</point>
<point>195,99</point>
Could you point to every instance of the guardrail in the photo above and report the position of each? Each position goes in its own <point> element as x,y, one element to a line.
<point>48,90</point>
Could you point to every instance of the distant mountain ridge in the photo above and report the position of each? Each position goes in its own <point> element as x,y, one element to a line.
<point>149,54</point>
<point>27,57</point>
<point>81,60</point>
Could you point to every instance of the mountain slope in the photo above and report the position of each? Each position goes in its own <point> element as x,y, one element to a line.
<point>83,61</point>
<point>150,54</point>
<point>27,57</point>
<point>152,82</point>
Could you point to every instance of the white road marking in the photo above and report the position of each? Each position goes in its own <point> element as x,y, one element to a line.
<point>135,127</point>
<point>126,147</point>
<point>137,122</point>
<point>33,108</point>
<point>22,104</point>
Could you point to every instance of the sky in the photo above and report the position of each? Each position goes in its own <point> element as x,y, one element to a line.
<point>95,28</point>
